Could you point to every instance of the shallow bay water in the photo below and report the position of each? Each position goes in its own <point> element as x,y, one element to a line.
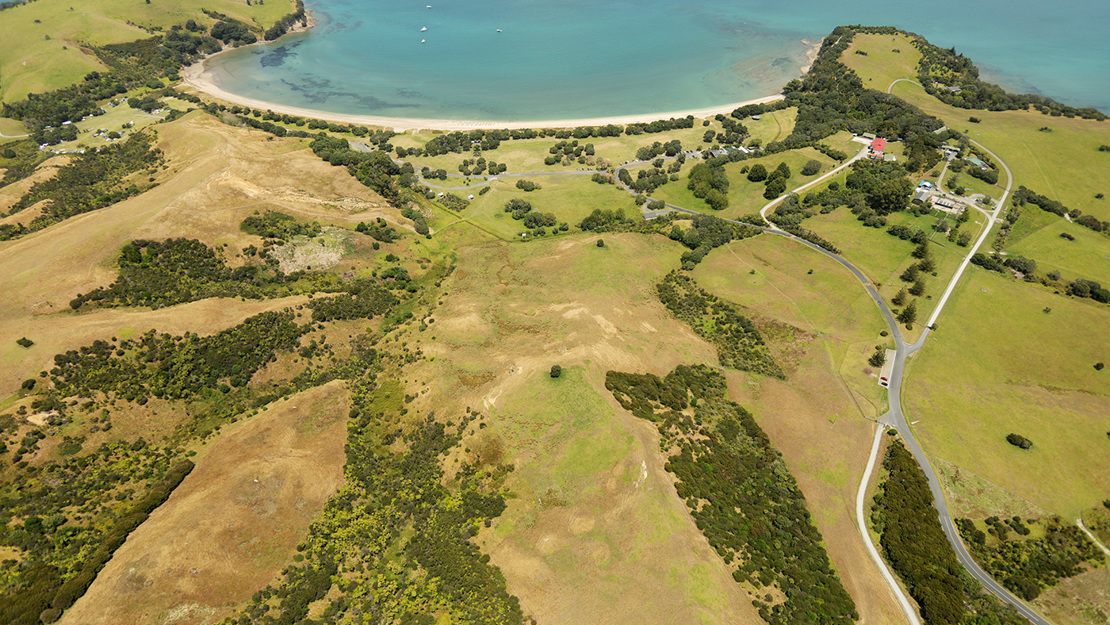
<point>582,59</point>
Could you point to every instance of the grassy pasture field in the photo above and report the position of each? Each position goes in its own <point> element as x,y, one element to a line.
<point>596,528</point>
<point>883,257</point>
<point>46,42</point>
<point>885,59</point>
<point>569,198</point>
<point>745,197</point>
<point>233,523</point>
<point>987,372</point>
<point>1088,256</point>
<point>1063,164</point>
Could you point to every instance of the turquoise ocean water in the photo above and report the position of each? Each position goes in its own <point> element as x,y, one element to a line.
<point>578,59</point>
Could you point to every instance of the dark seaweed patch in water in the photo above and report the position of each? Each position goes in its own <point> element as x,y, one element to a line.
<point>409,93</point>
<point>277,56</point>
<point>322,91</point>
<point>782,61</point>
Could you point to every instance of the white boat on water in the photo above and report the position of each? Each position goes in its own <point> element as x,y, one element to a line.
<point>424,29</point>
<point>498,30</point>
<point>423,41</point>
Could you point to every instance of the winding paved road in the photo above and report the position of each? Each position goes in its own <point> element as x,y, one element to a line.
<point>895,417</point>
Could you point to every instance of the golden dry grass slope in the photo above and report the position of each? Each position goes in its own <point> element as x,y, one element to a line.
<point>595,531</point>
<point>215,176</point>
<point>234,522</point>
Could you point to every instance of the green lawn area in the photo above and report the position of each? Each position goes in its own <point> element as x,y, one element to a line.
<point>12,128</point>
<point>44,41</point>
<point>569,198</point>
<point>772,126</point>
<point>777,279</point>
<point>745,197</point>
<point>998,364</point>
<point>973,185</point>
<point>1088,256</point>
<point>1063,164</point>
<point>888,58</point>
<point>883,257</point>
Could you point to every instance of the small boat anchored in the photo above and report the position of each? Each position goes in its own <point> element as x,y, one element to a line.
<point>424,29</point>
<point>423,41</point>
<point>498,30</point>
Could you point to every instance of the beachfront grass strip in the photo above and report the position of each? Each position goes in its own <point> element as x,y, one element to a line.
<point>1012,357</point>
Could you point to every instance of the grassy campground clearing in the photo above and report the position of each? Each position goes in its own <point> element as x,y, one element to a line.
<point>881,59</point>
<point>745,197</point>
<point>1062,161</point>
<point>46,41</point>
<point>1000,364</point>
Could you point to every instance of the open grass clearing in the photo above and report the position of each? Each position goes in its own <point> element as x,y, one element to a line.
<point>1063,164</point>
<point>884,59</point>
<point>772,125</point>
<point>595,531</point>
<point>569,198</point>
<point>234,522</point>
<point>45,42</point>
<point>745,197</point>
<point>999,364</point>
<point>883,257</point>
<point>1080,600</point>
<point>1088,256</point>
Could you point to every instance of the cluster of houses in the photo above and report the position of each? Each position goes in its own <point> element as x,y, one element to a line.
<point>928,193</point>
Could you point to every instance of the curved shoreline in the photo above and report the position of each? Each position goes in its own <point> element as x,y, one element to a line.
<point>198,77</point>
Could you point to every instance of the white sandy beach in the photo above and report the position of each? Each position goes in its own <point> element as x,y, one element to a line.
<point>199,77</point>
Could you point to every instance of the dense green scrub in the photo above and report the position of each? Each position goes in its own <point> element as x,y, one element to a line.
<point>395,545</point>
<point>918,551</point>
<point>1028,565</point>
<point>740,493</point>
<point>739,344</point>
<point>93,180</point>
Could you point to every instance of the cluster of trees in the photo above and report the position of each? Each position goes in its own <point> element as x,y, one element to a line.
<point>283,25</point>
<point>739,492</point>
<point>1080,287</point>
<point>775,181</point>
<point>231,31</point>
<point>277,225</point>
<point>176,367</point>
<point>61,553</point>
<point>479,165</point>
<point>916,548</point>
<point>710,183</point>
<point>1027,566</point>
<point>1017,440</point>
<point>454,202</point>
<point>175,271</point>
<point>648,152</point>
<point>414,545</point>
<point>739,344</point>
<point>659,125</point>
<point>884,185</point>
<point>373,169</point>
<point>831,98</point>
<point>565,151</point>
<point>706,233</point>
<point>364,299</point>
<point>91,181</point>
<point>733,133</point>
<point>533,220</point>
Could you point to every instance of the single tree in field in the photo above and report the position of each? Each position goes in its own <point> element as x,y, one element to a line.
<point>758,173</point>
<point>910,274</point>
<point>908,314</point>
<point>918,287</point>
<point>900,298</point>
<point>556,371</point>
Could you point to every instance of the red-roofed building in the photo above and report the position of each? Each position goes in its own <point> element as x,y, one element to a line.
<point>877,147</point>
